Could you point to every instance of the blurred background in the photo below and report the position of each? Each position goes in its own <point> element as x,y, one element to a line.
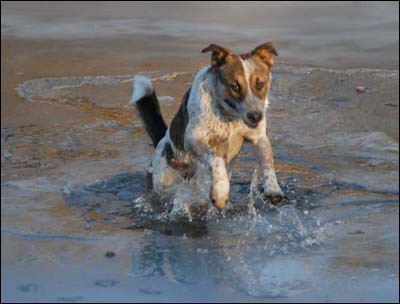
<point>332,34</point>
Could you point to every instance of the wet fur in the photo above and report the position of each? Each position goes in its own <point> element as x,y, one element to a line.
<point>212,124</point>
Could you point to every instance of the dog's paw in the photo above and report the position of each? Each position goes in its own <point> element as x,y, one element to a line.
<point>274,198</point>
<point>273,193</point>
<point>220,194</point>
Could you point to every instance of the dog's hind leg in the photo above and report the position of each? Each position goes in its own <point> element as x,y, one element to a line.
<point>163,175</point>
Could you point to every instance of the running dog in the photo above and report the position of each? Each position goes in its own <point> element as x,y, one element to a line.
<point>225,106</point>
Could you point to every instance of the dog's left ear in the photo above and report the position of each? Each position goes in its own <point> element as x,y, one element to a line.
<point>266,52</point>
<point>219,54</point>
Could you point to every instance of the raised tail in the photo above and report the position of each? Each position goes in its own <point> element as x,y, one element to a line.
<point>145,98</point>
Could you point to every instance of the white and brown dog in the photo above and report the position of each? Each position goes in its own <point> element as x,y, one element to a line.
<point>225,106</point>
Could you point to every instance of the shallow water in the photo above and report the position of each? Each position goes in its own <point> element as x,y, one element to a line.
<point>78,224</point>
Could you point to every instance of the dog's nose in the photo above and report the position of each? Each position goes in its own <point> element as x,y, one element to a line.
<point>254,117</point>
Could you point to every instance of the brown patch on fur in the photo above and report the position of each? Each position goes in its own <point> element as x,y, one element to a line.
<point>260,73</point>
<point>178,124</point>
<point>226,148</point>
<point>233,73</point>
<point>218,55</point>
<point>184,169</point>
<point>266,52</point>
<point>220,146</point>
<point>235,144</point>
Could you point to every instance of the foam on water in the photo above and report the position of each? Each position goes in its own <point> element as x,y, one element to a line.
<point>57,89</point>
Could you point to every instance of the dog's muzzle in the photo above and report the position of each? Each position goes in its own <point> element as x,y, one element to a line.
<point>253,118</point>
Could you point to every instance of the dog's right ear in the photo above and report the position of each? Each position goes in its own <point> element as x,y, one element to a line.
<point>266,52</point>
<point>219,54</point>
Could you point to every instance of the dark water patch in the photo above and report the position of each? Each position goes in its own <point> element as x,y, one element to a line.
<point>356,232</point>
<point>106,282</point>
<point>315,168</point>
<point>31,287</point>
<point>149,291</point>
<point>119,183</point>
<point>173,227</point>
<point>288,159</point>
<point>111,198</point>
<point>110,254</point>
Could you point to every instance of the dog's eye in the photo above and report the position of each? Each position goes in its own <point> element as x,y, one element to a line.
<point>260,85</point>
<point>235,87</point>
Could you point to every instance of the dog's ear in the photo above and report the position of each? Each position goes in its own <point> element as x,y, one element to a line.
<point>266,52</point>
<point>219,54</point>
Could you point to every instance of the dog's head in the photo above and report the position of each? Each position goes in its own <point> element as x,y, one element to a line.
<point>242,81</point>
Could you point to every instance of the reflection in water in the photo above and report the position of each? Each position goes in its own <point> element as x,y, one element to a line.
<point>238,253</point>
<point>235,248</point>
<point>251,247</point>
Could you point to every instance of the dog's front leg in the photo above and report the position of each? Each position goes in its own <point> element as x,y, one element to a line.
<point>270,187</point>
<point>216,168</point>
<point>219,192</point>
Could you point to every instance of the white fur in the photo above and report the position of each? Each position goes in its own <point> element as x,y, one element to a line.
<point>249,66</point>
<point>142,87</point>
<point>199,99</point>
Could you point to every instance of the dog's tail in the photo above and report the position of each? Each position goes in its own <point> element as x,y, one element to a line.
<point>145,98</point>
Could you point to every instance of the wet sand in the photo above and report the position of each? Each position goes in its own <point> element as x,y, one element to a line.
<point>66,140</point>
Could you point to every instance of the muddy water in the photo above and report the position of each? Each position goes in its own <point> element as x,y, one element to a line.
<point>78,225</point>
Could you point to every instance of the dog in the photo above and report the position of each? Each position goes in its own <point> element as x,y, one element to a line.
<point>225,106</point>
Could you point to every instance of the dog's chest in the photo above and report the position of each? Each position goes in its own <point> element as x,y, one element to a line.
<point>225,141</point>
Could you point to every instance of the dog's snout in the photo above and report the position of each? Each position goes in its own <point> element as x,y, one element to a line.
<point>254,116</point>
